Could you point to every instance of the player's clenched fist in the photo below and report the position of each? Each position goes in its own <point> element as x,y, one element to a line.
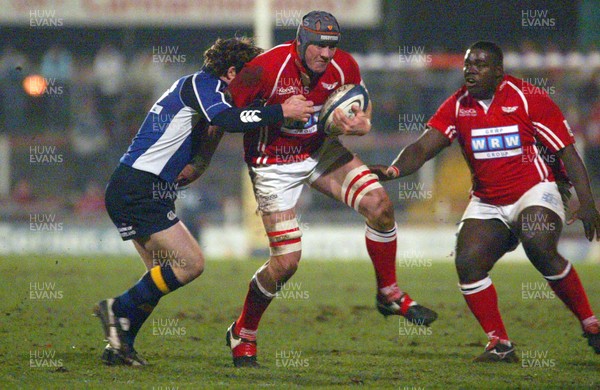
<point>359,124</point>
<point>298,108</point>
<point>187,175</point>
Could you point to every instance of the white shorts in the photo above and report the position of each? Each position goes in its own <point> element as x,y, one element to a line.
<point>543,194</point>
<point>278,187</point>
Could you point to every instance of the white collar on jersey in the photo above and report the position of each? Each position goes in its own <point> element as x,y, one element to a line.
<point>485,103</point>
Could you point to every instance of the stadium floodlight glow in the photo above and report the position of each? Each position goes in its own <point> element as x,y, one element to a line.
<point>34,85</point>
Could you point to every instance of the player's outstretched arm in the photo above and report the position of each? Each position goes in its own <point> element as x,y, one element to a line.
<point>412,157</point>
<point>237,120</point>
<point>242,119</point>
<point>587,209</point>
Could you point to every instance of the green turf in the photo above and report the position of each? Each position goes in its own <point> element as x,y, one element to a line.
<point>324,333</point>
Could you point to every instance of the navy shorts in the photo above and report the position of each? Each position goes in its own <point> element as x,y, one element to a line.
<point>140,203</point>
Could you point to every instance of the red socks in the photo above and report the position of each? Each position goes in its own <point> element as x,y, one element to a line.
<point>257,301</point>
<point>482,299</point>
<point>568,288</point>
<point>381,247</point>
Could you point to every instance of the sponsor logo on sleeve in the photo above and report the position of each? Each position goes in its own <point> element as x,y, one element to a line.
<point>250,116</point>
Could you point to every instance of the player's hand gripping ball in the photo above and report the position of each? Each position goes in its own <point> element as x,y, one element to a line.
<point>344,97</point>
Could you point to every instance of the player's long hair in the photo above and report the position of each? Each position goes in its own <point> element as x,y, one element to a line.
<point>225,53</point>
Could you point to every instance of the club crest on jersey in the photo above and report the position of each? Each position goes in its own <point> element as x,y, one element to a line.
<point>329,87</point>
<point>508,110</point>
<point>171,215</point>
<point>496,142</point>
<point>467,112</point>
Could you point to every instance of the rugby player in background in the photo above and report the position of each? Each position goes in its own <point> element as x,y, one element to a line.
<point>497,120</point>
<point>174,146</point>
<point>282,158</point>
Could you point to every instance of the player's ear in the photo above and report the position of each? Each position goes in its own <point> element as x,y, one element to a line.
<point>231,73</point>
<point>499,70</point>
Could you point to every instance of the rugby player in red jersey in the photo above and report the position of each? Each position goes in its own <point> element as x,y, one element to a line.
<point>174,146</point>
<point>498,121</point>
<point>283,158</point>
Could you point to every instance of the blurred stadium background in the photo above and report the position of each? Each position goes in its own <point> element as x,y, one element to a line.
<point>77,78</point>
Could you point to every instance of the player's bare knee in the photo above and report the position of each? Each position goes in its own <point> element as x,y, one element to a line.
<point>540,246</point>
<point>550,267</point>
<point>383,211</point>
<point>545,257</point>
<point>285,266</point>
<point>197,266</point>
<point>469,267</point>
<point>188,268</point>
<point>378,209</point>
<point>463,268</point>
<point>470,275</point>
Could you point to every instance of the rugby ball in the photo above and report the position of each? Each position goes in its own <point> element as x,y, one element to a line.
<point>343,97</point>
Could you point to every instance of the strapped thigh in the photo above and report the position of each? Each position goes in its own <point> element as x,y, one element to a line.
<point>284,237</point>
<point>357,183</point>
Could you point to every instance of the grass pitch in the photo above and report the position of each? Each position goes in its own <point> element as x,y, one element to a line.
<point>323,330</point>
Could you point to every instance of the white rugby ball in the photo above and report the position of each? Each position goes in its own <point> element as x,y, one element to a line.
<point>344,97</point>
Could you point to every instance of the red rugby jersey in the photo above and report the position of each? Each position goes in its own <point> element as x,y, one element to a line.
<point>271,78</point>
<point>498,142</point>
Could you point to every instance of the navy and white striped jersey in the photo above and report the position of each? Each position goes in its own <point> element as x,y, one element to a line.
<point>170,135</point>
